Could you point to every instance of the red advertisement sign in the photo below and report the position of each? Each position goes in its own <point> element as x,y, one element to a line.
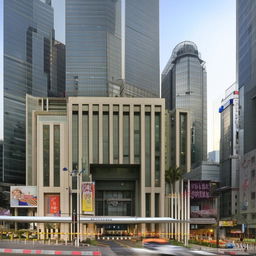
<point>54,202</point>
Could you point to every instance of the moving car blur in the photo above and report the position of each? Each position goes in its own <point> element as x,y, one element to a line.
<point>161,246</point>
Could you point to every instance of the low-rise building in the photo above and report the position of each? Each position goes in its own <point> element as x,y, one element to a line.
<point>113,145</point>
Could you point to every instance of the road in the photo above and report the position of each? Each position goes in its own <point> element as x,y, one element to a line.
<point>107,248</point>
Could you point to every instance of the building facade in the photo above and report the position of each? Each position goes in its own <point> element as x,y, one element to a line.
<point>112,43</point>
<point>118,143</point>
<point>184,86</point>
<point>229,150</point>
<point>58,69</point>
<point>28,35</point>
<point>246,75</point>
<point>214,156</point>
<point>177,154</point>
<point>178,139</point>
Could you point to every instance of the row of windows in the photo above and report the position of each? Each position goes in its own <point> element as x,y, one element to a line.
<point>116,140</point>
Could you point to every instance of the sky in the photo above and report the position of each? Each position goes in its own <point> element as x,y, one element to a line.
<point>208,23</point>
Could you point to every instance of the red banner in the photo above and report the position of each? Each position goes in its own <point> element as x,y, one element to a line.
<point>54,202</point>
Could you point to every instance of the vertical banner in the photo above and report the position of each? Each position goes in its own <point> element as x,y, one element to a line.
<point>88,197</point>
<point>54,204</point>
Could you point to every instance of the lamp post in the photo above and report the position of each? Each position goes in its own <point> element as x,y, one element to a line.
<point>76,215</point>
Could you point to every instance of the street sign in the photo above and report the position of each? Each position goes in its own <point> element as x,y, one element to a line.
<point>227,223</point>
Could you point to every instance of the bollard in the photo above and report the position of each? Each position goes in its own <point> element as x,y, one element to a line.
<point>66,241</point>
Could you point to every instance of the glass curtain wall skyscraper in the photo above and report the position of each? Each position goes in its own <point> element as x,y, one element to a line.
<point>28,62</point>
<point>110,43</point>
<point>246,77</point>
<point>184,86</point>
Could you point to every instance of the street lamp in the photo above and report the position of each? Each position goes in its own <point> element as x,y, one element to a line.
<point>76,216</point>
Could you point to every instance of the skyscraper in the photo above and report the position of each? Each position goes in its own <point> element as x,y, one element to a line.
<point>184,86</point>
<point>229,178</point>
<point>246,77</point>
<point>110,44</point>
<point>58,67</point>
<point>28,35</point>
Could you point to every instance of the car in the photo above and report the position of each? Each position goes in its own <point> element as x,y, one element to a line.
<point>163,247</point>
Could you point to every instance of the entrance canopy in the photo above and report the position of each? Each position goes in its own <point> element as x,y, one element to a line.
<point>96,220</point>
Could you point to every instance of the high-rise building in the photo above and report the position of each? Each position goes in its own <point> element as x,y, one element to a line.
<point>28,62</point>
<point>112,48</point>
<point>58,70</point>
<point>229,167</point>
<point>214,156</point>
<point>246,77</point>
<point>184,86</point>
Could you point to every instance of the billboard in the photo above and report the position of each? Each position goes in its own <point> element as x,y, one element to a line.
<point>199,189</point>
<point>88,197</point>
<point>204,213</point>
<point>227,223</point>
<point>54,204</point>
<point>23,196</point>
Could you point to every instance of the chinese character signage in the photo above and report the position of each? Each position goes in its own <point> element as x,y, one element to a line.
<point>199,189</point>
<point>88,197</point>
<point>23,196</point>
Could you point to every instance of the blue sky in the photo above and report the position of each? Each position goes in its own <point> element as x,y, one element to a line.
<point>209,23</point>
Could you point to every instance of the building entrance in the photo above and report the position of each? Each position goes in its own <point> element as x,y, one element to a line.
<point>117,189</point>
<point>115,202</point>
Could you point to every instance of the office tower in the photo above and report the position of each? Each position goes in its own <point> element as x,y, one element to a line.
<point>28,35</point>
<point>229,165</point>
<point>112,48</point>
<point>214,156</point>
<point>58,70</point>
<point>246,77</point>
<point>184,87</point>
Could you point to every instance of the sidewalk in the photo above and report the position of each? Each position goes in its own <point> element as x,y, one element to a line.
<point>227,251</point>
<point>21,247</point>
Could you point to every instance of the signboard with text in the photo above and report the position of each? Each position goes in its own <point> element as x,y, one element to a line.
<point>200,189</point>
<point>227,223</point>
<point>88,197</point>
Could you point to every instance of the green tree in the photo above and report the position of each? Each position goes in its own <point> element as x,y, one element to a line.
<point>172,175</point>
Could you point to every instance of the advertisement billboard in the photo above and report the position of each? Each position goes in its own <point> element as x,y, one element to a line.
<point>23,196</point>
<point>200,189</point>
<point>52,204</point>
<point>88,197</point>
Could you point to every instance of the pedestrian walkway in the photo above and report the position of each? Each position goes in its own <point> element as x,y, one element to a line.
<point>51,252</point>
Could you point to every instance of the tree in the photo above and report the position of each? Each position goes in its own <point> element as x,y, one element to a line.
<point>172,175</point>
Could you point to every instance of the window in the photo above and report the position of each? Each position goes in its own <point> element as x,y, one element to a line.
<point>157,148</point>
<point>95,140</point>
<point>137,137</point>
<point>148,206</point>
<point>126,137</point>
<point>116,137</point>
<point>105,137</point>
<point>56,155</point>
<point>46,155</point>
<point>148,149</point>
